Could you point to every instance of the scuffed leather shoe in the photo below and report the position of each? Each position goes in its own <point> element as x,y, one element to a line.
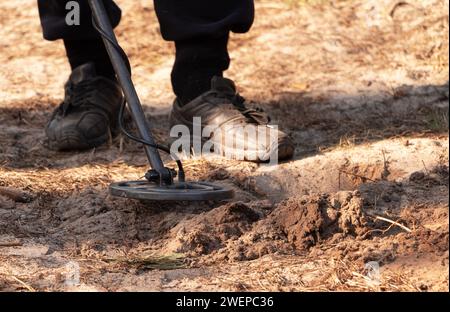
<point>237,131</point>
<point>88,115</point>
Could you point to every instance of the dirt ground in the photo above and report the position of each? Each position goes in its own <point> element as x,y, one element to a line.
<point>360,85</point>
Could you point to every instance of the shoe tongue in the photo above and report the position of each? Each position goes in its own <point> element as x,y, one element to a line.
<point>223,85</point>
<point>83,72</point>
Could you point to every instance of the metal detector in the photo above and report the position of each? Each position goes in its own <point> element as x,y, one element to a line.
<point>161,183</point>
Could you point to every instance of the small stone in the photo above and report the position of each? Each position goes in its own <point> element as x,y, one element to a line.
<point>423,287</point>
<point>416,176</point>
<point>386,198</point>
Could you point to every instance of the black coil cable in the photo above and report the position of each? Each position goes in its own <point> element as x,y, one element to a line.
<point>166,149</point>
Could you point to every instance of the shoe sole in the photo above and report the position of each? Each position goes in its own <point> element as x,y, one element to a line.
<point>70,141</point>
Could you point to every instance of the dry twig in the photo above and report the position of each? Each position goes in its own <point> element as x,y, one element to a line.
<point>394,222</point>
<point>28,287</point>
<point>15,194</point>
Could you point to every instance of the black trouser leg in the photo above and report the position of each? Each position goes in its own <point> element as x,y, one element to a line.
<point>82,43</point>
<point>82,51</point>
<point>53,19</point>
<point>199,28</point>
<point>196,62</point>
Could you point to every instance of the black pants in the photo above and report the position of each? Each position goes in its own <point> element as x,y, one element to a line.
<point>179,19</point>
<point>199,28</point>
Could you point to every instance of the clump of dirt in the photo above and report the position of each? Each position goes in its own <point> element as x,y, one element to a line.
<point>208,232</point>
<point>238,232</point>
<point>385,249</point>
<point>438,176</point>
<point>312,223</point>
<point>307,220</point>
<point>423,241</point>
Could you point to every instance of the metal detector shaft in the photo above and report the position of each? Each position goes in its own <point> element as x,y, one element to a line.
<point>102,19</point>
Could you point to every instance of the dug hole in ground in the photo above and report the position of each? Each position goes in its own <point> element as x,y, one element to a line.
<point>361,86</point>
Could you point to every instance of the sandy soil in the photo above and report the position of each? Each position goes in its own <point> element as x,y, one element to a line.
<point>361,86</point>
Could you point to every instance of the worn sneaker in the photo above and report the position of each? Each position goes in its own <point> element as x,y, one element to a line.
<point>236,131</point>
<point>88,115</point>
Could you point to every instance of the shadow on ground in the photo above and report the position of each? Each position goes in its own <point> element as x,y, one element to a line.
<point>317,124</point>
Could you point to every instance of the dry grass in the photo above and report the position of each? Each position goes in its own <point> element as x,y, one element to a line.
<point>295,274</point>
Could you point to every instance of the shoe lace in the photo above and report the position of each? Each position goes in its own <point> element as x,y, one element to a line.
<point>254,115</point>
<point>79,95</point>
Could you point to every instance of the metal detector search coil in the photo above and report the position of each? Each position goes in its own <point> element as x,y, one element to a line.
<point>187,191</point>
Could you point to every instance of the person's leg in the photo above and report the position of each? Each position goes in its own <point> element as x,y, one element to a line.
<point>88,114</point>
<point>200,30</point>
<point>83,51</point>
<point>82,43</point>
